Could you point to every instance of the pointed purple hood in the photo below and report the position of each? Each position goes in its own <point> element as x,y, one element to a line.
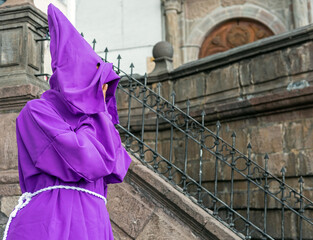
<point>75,74</point>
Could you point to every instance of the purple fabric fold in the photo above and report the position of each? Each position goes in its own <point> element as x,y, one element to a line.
<point>68,137</point>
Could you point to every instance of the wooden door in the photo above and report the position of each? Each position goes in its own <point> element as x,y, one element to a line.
<point>233,33</point>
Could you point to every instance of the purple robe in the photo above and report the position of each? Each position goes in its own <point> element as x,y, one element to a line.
<point>67,137</point>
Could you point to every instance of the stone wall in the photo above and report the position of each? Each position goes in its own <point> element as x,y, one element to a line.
<point>262,91</point>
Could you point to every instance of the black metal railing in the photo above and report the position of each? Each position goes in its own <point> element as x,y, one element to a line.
<point>167,115</point>
<point>148,121</point>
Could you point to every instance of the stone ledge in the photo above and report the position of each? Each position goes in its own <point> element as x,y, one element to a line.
<point>19,13</point>
<point>259,105</point>
<point>9,176</point>
<point>165,194</point>
<point>15,97</point>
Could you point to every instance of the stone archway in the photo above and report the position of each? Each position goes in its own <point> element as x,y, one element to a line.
<point>197,35</point>
<point>233,33</point>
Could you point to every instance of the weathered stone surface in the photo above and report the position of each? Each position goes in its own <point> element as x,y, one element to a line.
<point>118,233</point>
<point>2,227</point>
<point>300,58</point>
<point>305,163</point>
<point>8,204</point>
<point>8,148</point>
<point>171,206</point>
<point>223,79</point>
<point>162,226</point>
<point>308,133</point>
<point>267,139</point>
<point>293,135</point>
<point>198,9</point>
<point>9,176</point>
<point>190,88</point>
<point>10,189</point>
<point>274,67</point>
<point>125,201</point>
<point>3,219</point>
<point>10,51</point>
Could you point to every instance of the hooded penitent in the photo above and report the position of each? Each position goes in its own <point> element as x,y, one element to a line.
<point>67,137</point>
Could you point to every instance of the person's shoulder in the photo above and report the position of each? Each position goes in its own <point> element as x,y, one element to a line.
<point>36,106</point>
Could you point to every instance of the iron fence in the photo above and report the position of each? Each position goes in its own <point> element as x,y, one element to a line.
<point>148,113</point>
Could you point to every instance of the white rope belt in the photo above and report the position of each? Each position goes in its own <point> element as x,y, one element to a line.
<point>27,196</point>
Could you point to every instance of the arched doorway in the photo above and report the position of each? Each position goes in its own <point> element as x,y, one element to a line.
<point>233,33</point>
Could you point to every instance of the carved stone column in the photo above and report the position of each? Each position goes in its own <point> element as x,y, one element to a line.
<point>172,8</point>
<point>300,13</point>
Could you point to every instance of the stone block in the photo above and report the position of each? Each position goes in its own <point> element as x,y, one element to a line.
<point>308,133</point>
<point>274,67</point>
<point>305,164</point>
<point>162,226</point>
<point>9,176</point>
<point>189,87</point>
<point>3,219</point>
<point>157,182</point>
<point>118,233</point>
<point>8,204</point>
<point>245,73</point>
<point>222,79</point>
<point>10,50</point>
<point>8,147</point>
<point>123,200</point>
<point>2,227</point>
<point>10,189</point>
<point>300,58</point>
<point>267,139</point>
<point>199,9</point>
<point>293,136</point>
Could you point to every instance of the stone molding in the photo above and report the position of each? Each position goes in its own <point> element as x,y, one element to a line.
<point>172,5</point>
<point>15,97</point>
<point>219,15</point>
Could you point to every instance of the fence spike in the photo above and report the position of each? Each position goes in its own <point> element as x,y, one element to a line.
<point>301,180</point>
<point>131,69</point>
<point>94,44</point>
<point>145,79</point>
<point>159,88</point>
<point>106,54</point>
<point>233,139</point>
<point>249,146</point>
<point>188,106</point>
<point>118,63</point>
<point>173,94</point>
<point>202,117</point>
<point>283,170</point>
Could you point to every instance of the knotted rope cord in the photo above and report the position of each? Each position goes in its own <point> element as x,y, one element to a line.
<point>27,196</point>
